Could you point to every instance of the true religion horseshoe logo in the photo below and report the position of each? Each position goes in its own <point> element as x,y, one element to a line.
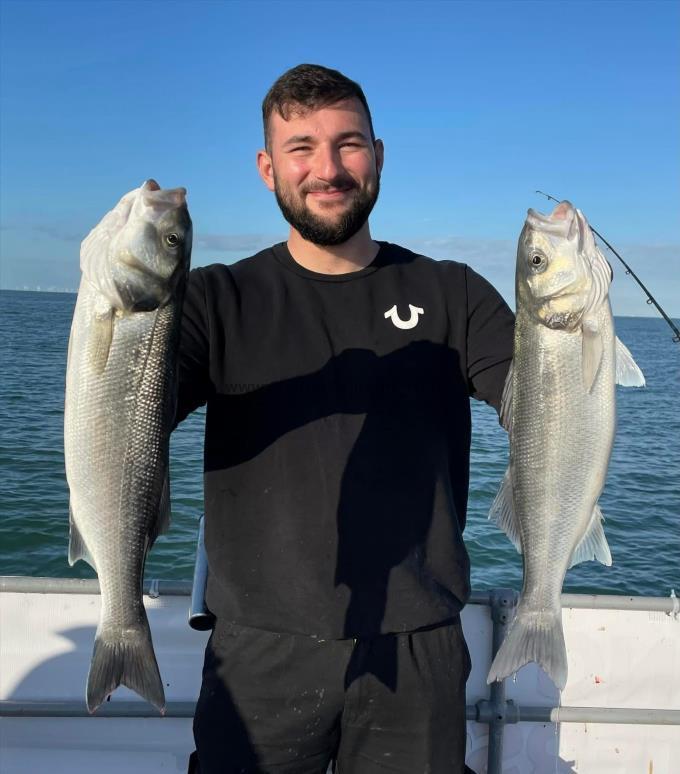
<point>412,321</point>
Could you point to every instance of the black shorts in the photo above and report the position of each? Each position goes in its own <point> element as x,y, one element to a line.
<point>291,704</point>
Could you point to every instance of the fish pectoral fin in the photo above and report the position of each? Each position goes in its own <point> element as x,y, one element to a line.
<point>592,349</point>
<point>102,336</point>
<point>628,373</point>
<point>162,523</point>
<point>593,544</point>
<point>76,545</point>
<point>506,400</point>
<point>503,512</point>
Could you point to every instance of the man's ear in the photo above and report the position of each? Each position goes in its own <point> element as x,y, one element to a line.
<point>379,150</point>
<point>265,168</point>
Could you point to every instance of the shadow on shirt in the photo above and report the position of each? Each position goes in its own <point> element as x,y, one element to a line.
<point>393,516</point>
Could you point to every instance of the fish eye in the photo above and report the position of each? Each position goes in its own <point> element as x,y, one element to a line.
<point>172,240</point>
<point>537,261</point>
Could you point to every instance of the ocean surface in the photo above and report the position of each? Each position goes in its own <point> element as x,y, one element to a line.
<point>641,500</point>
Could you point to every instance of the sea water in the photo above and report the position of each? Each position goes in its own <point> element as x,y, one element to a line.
<point>641,500</point>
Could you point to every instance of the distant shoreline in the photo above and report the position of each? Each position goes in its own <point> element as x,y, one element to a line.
<point>75,293</point>
<point>33,290</point>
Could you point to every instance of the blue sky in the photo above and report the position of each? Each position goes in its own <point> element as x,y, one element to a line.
<point>478,103</point>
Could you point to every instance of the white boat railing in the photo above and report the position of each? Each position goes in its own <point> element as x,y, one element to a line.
<point>494,709</point>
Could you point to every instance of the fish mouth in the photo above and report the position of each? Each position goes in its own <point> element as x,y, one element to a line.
<point>155,196</point>
<point>558,222</point>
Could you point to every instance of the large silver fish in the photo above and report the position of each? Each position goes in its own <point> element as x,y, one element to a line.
<point>119,410</point>
<point>559,409</point>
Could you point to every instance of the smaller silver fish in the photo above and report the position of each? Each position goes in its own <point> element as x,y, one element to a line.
<point>559,409</point>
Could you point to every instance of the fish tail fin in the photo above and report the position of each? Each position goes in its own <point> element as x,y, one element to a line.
<point>533,636</point>
<point>124,660</point>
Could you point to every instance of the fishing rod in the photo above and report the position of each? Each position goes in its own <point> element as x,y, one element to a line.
<point>650,297</point>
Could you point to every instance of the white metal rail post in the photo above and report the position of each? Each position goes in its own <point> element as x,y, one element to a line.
<point>200,618</point>
<point>496,711</point>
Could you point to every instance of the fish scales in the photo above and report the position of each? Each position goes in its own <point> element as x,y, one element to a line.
<point>563,423</point>
<point>121,420</point>
<point>559,408</point>
<point>119,411</point>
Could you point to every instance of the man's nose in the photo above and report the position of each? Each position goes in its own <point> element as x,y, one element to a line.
<point>328,163</point>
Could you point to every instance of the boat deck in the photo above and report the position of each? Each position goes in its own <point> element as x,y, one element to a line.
<point>619,713</point>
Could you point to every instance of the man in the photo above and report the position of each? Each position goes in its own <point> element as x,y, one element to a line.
<point>337,372</point>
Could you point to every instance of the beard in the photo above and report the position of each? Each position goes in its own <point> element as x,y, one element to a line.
<point>334,230</point>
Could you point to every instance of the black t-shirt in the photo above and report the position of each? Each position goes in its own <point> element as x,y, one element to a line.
<point>338,435</point>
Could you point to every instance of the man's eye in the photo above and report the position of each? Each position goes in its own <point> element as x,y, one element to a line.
<point>351,145</point>
<point>298,148</point>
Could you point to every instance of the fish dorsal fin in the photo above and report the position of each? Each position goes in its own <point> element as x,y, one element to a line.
<point>592,350</point>
<point>628,373</point>
<point>502,512</point>
<point>162,523</point>
<point>506,400</point>
<point>594,544</point>
<point>76,545</point>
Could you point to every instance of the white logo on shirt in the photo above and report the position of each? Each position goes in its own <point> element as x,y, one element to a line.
<point>412,321</point>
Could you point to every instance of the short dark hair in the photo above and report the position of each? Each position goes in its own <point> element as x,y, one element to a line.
<point>310,87</point>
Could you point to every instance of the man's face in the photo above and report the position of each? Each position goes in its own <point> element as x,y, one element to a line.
<point>324,169</point>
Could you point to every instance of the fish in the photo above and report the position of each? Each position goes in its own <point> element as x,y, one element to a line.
<point>120,401</point>
<point>559,408</point>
